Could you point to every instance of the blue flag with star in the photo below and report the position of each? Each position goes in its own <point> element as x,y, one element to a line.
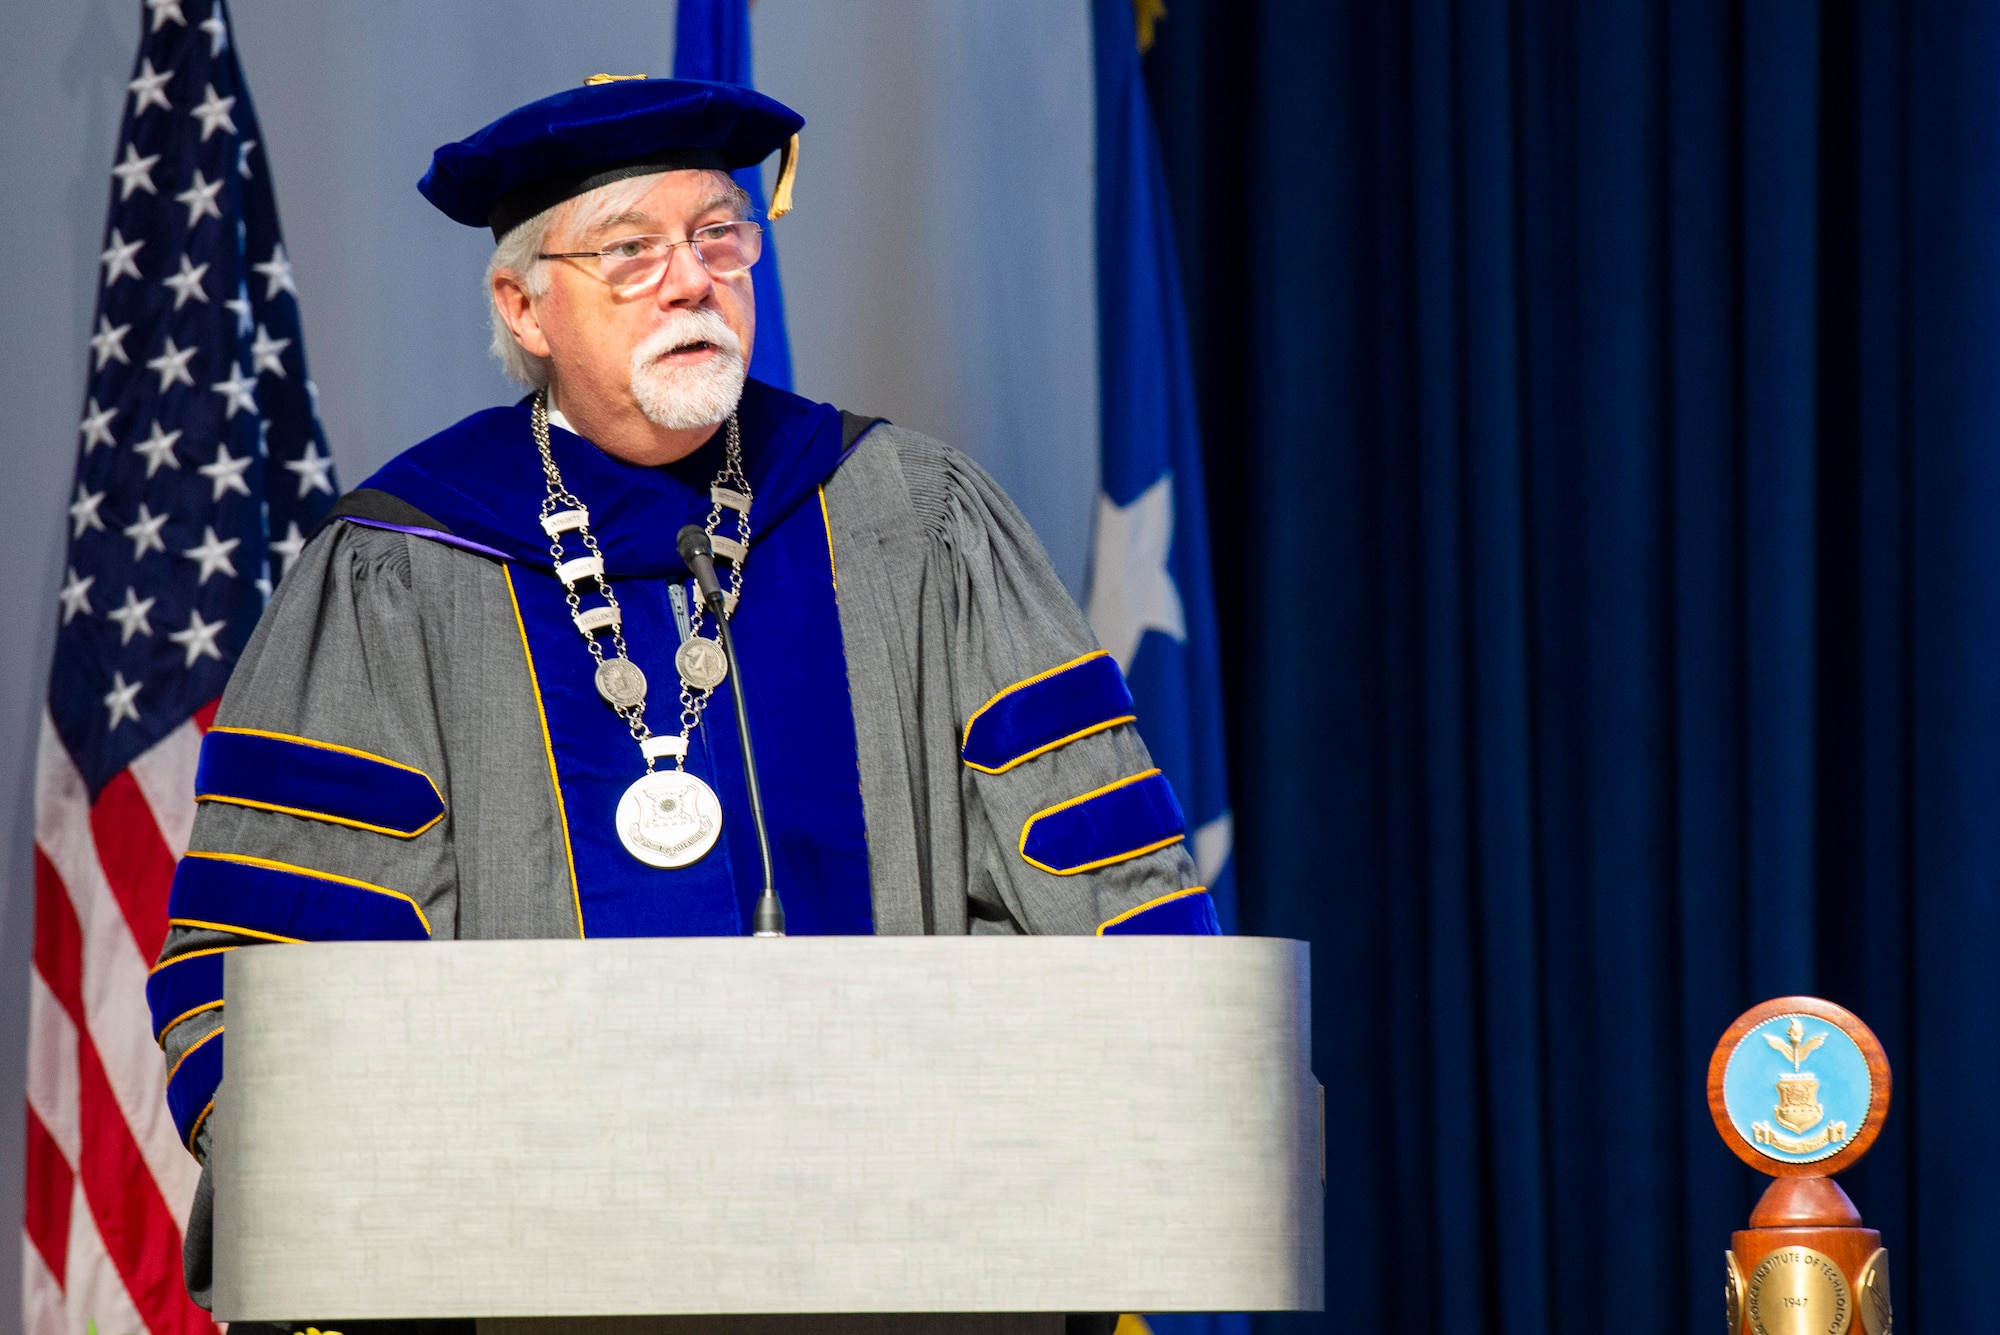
<point>712,42</point>
<point>202,467</point>
<point>1150,600</point>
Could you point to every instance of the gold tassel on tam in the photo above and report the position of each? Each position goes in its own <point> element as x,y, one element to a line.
<point>788,167</point>
<point>596,80</point>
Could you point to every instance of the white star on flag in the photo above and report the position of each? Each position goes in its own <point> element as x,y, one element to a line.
<point>213,113</point>
<point>164,12</point>
<point>239,391</point>
<point>83,510</point>
<point>1131,590</point>
<point>75,593</point>
<point>243,158</point>
<point>96,426</point>
<point>173,365</point>
<point>1212,845</point>
<point>117,258</point>
<point>199,637</point>
<point>187,283</point>
<point>131,618</point>
<point>213,554</point>
<point>200,198</point>
<point>278,274</point>
<point>158,449</point>
<point>120,697</point>
<point>145,533</point>
<point>135,173</point>
<point>149,86</point>
<point>109,343</point>
<point>218,33</point>
<point>227,475</point>
<point>289,548</point>
<point>315,470</point>
<point>264,353</point>
<point>240,303</point>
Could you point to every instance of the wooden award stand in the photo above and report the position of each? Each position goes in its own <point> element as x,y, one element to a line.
<point>1805,1264</point>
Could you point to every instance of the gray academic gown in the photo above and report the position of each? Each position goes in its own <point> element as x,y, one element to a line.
<point>408,648</point>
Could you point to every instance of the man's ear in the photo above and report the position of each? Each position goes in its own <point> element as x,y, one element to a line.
<point>510,295</point>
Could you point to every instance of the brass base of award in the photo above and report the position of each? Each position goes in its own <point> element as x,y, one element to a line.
<point>1805,1266</point>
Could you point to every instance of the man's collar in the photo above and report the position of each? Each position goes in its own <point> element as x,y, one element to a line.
<point>481,481</point>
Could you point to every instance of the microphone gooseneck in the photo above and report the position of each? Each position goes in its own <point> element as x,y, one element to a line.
<point>768,918</point>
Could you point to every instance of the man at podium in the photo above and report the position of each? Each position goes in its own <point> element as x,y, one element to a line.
<point>489,701</point>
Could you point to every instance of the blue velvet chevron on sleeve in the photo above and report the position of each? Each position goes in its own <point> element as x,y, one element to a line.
<point>191,1084</point>
<point>280,902</point>
<point>1182,913</point>
<point>317,780</point>
<point>184,987</point>
<point>1107,825</point>
<point>1030,718</point>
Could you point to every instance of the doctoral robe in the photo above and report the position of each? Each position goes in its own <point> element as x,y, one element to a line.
<point>411,746</point>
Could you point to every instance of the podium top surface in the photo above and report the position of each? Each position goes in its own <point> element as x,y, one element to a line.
<point>704,1125</point>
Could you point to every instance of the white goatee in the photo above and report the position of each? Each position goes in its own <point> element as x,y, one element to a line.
<point>682,398</point>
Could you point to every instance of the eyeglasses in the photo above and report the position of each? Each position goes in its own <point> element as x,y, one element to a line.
<point>632,264</point>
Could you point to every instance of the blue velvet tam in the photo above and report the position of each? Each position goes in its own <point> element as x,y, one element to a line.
<point>537,156</point>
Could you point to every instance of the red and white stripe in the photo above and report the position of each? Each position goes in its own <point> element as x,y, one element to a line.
<point>108,1182</point>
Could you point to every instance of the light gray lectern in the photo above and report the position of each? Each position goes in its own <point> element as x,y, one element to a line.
<point>683,1133</point>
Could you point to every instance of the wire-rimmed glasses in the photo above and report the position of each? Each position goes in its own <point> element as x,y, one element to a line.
<point>634,263</point>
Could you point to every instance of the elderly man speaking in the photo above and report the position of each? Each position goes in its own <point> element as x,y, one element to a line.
<point>484,701</point>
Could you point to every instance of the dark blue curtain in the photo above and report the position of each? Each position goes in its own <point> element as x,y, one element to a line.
<point>1602,406</point>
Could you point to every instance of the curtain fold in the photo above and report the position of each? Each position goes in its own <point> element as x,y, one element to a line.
<point>1616,389</point>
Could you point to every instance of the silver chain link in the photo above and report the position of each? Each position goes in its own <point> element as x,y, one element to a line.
<point>560,497</point>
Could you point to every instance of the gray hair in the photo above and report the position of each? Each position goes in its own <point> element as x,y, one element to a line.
<point>518,251</point>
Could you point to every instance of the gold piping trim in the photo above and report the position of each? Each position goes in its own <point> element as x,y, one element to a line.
<point>832,568</point>
<point>295,870</point>
<point>344,750</point>
<point>192,1049</point>
<point>319,815</point>
<point>1078,800</point>
<point>1132,913</point>
<point>161,1037</point>
<point>192,954</point>
<point>548,749</point>
<point>207,926</point>
<point>200,1117</point>
<point>1076,736</point>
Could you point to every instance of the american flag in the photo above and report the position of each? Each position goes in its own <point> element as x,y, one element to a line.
<point>200,472</point>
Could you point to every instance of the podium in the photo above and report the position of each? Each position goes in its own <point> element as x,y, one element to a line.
<point>818,1133</point>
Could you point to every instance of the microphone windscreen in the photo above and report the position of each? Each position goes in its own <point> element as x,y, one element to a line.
<point>692,543</point>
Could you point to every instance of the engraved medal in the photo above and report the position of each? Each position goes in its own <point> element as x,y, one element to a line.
<point>701,663</point>
<point>621,683</point>
<point>669,818</point>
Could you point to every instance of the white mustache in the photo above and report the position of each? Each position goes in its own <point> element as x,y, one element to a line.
<point>684,327</point>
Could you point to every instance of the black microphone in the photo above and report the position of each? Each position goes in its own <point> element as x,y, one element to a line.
<point>768,919</point>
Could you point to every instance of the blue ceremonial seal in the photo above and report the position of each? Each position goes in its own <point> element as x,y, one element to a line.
<point>1799,1086</point>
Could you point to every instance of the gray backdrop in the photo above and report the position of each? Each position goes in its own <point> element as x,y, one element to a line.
<point>938,270</point>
